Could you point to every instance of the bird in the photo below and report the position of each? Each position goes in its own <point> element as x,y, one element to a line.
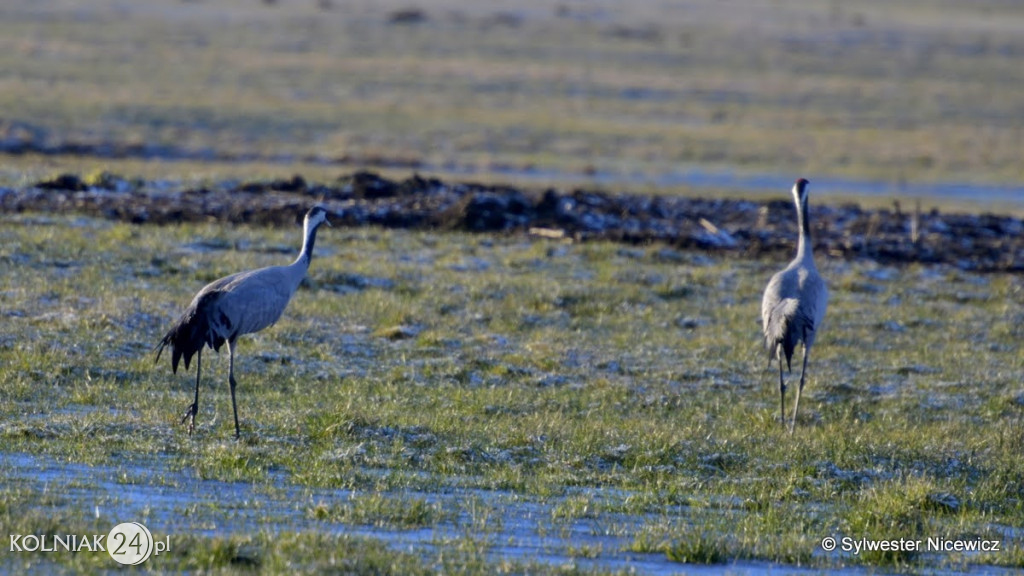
<point>794,304</point>
<point>233,306</point>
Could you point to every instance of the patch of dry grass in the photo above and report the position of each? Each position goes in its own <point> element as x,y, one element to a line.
<point>888,90</point>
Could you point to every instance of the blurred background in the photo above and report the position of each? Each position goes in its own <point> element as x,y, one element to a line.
<point>867,99</point>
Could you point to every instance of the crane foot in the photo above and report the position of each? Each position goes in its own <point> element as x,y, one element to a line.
<point>190,416</point>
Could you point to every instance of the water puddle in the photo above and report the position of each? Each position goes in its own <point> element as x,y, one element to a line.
<point>172,502</point>
<point>982,195</point>
<point>519,528</point>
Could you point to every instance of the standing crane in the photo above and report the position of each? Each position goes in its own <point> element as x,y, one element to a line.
<point>794,304</point>
<point>238,304</point>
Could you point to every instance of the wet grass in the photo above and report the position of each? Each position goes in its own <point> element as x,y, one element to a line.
<point>896,91</point>
<point>604,382</point>
<point>379,510</point>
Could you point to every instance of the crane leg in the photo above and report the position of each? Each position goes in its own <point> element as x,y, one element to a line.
<point>232,383</point>
<point>803,371</point>
<point>782,392</point>
<point>191,411</point>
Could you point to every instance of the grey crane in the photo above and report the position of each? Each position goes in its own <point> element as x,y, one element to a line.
<point>238,304</point>
<point>794,304</point>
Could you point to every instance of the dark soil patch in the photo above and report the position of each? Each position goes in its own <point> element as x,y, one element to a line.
<point>744,228</point>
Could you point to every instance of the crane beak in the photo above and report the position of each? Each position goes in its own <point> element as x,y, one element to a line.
<point>328,222</point>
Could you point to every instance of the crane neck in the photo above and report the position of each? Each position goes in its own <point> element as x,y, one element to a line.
<point>306,255</point>
<point>804,246</point>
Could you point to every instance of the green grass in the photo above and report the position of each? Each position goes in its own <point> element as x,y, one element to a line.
<point>538,368</point>
<point>381,510</point>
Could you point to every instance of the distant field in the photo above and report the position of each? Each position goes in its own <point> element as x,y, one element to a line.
<point>898,91</point>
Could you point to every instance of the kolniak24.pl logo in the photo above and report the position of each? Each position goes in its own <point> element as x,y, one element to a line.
<point>128,543</point>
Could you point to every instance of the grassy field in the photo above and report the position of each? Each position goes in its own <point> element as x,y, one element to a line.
<point>912,90</point>
<point>622,388</point>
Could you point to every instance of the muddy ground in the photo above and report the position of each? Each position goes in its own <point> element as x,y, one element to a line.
<point>744,228</point>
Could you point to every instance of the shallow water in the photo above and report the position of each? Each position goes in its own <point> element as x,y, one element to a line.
<point>173,502</point>
<point>178,502</point>
<point>985,196</point>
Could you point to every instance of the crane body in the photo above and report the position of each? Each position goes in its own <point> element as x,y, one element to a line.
<point>794,304</point>
<point>239,304</point>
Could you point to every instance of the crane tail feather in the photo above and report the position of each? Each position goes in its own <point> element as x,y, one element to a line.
<point>781,335</point>
<point>190,333</point>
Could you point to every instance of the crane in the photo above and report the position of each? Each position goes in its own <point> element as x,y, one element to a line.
<point>794,304</point>
<point>236,305</point>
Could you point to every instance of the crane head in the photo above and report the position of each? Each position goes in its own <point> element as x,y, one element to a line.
<point>800,191</point>
<point>316,216</point>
